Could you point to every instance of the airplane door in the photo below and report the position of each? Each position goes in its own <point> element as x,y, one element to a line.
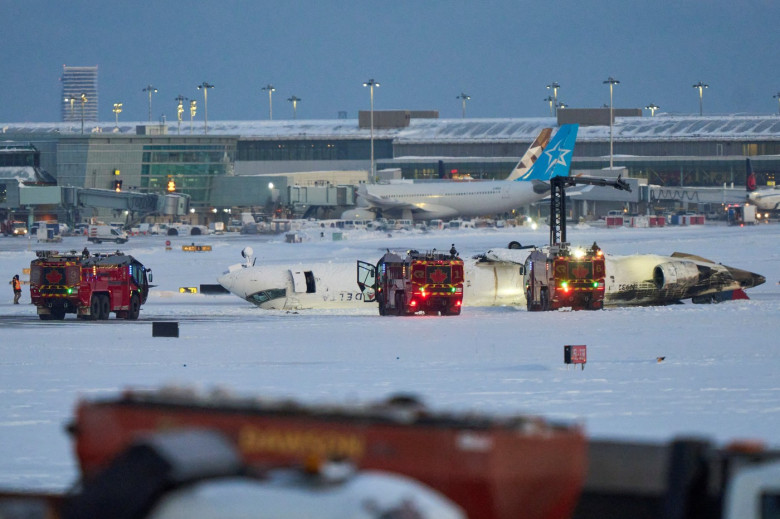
<point>366,280</point>
<point>299,281</point>
<point>504,191</point>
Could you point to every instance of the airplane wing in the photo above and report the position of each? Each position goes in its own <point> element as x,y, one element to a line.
<point>393,205</point>
<point>385,203</point>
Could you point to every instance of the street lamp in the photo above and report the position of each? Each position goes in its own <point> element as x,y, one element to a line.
<point>193,110</point>
<point>652,109</point>
<point>550,99</point>
<point>179,110</point>
<point>371,84</point>
<point>151,90</point>
<point>117,111</point>
<point>294,100</point>
<point>71,98</point>
<point>777,96</point>
<point>205,87</point>
<point>270,89</point>
<point>612,82</point>
<point>701,86</point>
<point>463,97</point>
<point>562,105</point>
<point>83,98</point>
<point>554,86</point>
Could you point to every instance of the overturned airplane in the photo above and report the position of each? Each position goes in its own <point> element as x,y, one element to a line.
<point>495,278</point>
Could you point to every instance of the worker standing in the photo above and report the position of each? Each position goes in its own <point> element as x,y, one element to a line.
<point>17,285</point>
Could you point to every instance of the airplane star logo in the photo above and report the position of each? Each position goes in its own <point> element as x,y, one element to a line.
<point>557,155</point>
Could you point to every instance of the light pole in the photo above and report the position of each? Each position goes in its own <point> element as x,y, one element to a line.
<point>777,96</point>
<point>117,111</point>
<point>463,97</point>
<point>151,90</point>
<point>294,100</point>
<point>205,87</point>
<point>83,98</point>
<point>71,98</point>
<point>371,84</point>
<point>179,110</point>
<point>554,86</point>
<point>270,89</point>
<point>652,109</point>
<point>701,86</point>
<point>612,82</point>
<point>193,109</point>
<point>550,100</point>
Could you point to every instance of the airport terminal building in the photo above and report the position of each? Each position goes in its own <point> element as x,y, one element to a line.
<point>251,164</point>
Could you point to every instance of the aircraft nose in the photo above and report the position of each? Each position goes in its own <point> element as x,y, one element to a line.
<point>228,282</point>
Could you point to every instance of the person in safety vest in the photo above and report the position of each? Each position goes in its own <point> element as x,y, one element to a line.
<point>17,288</point>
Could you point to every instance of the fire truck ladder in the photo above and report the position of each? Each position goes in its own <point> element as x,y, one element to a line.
<point>558,201</point>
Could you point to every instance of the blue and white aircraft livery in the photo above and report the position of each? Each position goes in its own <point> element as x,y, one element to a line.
<point>456,199</point>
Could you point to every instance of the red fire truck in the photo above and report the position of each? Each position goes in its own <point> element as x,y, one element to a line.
<point>90,286</point>
<point>559,277</point>
<point>430,282</point>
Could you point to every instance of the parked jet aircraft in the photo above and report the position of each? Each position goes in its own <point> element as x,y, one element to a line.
<point>765,199</point>
<point>494,278</point>
<point>425,201</point>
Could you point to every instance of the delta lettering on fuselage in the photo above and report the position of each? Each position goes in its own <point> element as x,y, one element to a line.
<point>343,296</point>
<point>299,443</point>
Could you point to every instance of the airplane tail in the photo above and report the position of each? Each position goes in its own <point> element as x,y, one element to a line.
<point>555,160</point>
<point>533,153</point>
<point>750,177</point>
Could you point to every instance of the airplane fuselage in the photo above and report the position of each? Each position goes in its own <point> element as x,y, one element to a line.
<point>766,199</point>
<point>496,279</point>
<point>334,285</point>
<point>449,199</point>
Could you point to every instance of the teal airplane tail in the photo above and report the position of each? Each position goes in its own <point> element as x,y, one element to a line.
<point>555,160</point>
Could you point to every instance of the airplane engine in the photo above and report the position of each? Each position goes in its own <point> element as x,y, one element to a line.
<point>675,275</point>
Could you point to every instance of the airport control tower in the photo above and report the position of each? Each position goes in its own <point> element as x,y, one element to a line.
<point>75,82</point>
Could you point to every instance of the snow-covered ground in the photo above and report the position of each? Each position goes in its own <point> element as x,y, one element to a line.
<point>718,380</point>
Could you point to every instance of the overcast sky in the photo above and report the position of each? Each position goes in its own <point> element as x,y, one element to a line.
<point>424,53</point>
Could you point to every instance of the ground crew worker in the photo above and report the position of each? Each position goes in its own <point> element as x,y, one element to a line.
<point>17,285</point>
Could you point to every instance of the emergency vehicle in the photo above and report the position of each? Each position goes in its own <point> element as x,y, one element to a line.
<point>559,277</point>
<point>90,286</point>
<point>430,282</point>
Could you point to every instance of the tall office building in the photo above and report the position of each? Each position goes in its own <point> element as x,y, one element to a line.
<point>77,81</point>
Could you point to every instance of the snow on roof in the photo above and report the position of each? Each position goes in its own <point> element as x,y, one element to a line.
<point>25,174</point>
<point>660,127</point>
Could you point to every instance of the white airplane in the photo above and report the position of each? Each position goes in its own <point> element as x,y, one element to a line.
<point>334,285</point>
<point>765,199</point>
<point>425,201</point>
<point>494,278</point>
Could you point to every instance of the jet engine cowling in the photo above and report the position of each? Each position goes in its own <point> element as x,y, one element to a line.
<point>675,275</point>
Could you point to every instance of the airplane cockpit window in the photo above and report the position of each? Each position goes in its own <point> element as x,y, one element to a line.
<point>264,296</point>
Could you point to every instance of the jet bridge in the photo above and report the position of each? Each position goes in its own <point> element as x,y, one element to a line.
<point>139,203</point>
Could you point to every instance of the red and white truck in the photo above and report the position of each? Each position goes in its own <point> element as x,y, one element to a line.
<point>429,282</point>
<point>90,286</point>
